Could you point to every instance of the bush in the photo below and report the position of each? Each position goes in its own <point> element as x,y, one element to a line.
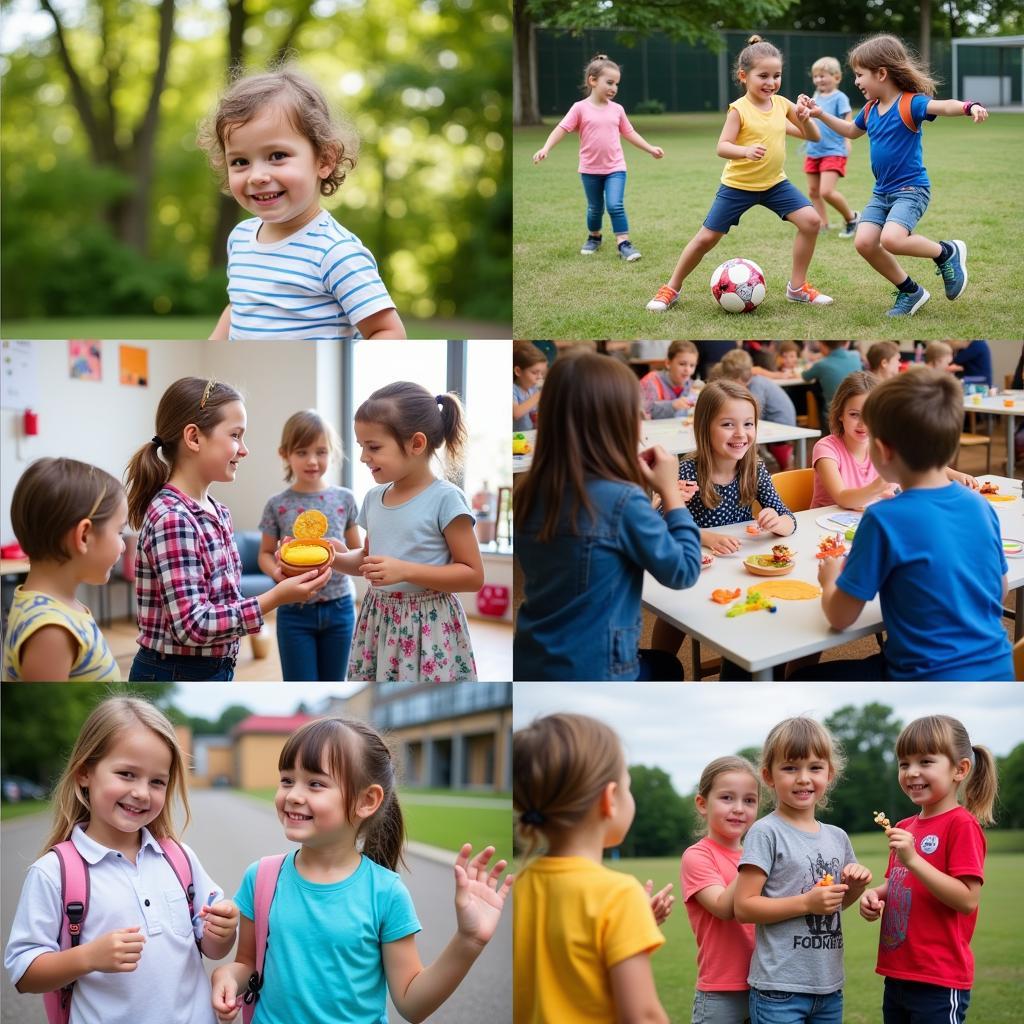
<point>651,106</point>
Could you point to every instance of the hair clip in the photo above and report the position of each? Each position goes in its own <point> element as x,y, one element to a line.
<point>210,385</point>
<point>532,817</point>
<point>96,504</point>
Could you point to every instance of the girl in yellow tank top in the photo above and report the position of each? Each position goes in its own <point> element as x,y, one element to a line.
<point>753,142</point>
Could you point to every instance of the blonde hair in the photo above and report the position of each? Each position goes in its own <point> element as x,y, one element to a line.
<point>935,351</point>
<point>788,346</point>
<point>736,365</point>
<point>857,383</point>
<point>907,72</point>
<point>561,764</point>
<point>301,430</point>
<point>108,720</point>
<point>757,49</point>
<point>829,65</point>
<point>598,63</point>
<point>801,737</point>
<point>941,734</point>
<point>710,402</point>
<point>721,766</point>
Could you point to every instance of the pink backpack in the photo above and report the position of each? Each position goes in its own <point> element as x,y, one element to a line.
<point>74,898</point>
<point>266,885</point>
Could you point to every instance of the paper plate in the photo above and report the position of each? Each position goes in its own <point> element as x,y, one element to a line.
<point>763,570</point>
<point>1012,547</point>
<point>839,522</point>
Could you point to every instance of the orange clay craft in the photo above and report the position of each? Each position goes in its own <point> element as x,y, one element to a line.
<point>309,525</point>
<point>308,550</point>
<point>754,530</point>
<point>881,820</point>
<point>826,880</point>
<point>725,596</point>
<point>831,547</point>
<point>989,488</point>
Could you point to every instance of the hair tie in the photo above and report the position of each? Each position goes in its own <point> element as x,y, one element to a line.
<point>439,399</point>
<point>156,441</point>
<point>532,817</point>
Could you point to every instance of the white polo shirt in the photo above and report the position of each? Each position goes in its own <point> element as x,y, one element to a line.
<point>169,983</point>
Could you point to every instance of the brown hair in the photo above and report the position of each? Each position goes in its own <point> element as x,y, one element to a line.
<point>355,755</point>
<point>525,354</point>
<point>54,495</point>
<point>881,352</point>
<point>190,400</point>
<point>301,430</point>
<point>801,737</point>
<point>404,409</point>
<point>680,346</point>
<point>857,383</point>
<point>598,63</point>
<point>907,72</point>
<point>108,720</point>
<point>333,140</point>
<point>757,49</point>
<point>560,765</point>
<point>935,351</point>
<point>588,421</point>
<point>789,346</point>
<point>940,734</point>
<point>918,414</point>
<point>736,365</point>
<point>709,404</point>
<point>720,766</point>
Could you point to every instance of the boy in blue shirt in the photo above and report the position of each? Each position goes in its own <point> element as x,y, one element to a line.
<point>942,600</point>
<point>831,371</point>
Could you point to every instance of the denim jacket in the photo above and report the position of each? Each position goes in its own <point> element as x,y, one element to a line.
<point>581,615</point>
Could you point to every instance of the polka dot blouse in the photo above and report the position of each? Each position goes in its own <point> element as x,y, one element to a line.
<point>729,509</point>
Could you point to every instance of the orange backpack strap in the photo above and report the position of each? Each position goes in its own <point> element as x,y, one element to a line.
<point>871,104</point>
<point>906,98</point>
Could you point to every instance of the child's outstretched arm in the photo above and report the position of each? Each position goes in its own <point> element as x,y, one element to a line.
<point>465,572</point>
<point>753,908</point>
<point>417,991</point>
<point>636,139</point>
<point>799,117</point>
<point>229,980</point>
<point>718,900</point>
<point>956,108</point>
<point>556,136</point>
<point>840,126</point>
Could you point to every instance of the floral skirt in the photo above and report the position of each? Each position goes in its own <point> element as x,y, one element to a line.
<point>411,638</point>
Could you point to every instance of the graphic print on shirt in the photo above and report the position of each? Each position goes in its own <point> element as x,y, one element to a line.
<point>824,931</point>
<point>896,916</point>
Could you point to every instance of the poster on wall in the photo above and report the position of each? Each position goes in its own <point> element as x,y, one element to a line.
<point>134,366</point>
<point>85,360</point>
<point>19,382</point>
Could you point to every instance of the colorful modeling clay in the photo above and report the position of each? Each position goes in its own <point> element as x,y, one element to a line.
<point>826,880</point>
<point>753,602</point>
<point>520,446</point>
<point>989,488</point>
<point>725,596</point>
<point>882,820</point>
<point>831,547</point>
<point>754,530</point>
<point>309,525</point>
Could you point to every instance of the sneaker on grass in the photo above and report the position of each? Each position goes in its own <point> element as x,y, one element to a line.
<point>665,299</point>
<point>805,293</point>
<point>908,303</point>
<point>590,246</point>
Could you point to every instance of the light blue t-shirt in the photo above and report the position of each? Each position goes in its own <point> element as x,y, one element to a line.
<point>414,530</point>
<point>529,420</point>
<point>775,404</point>
<point>832,143</point>
<point>323,960</point>
<point>897,160</point>
<point>936,558</point>
<point>831,371</point>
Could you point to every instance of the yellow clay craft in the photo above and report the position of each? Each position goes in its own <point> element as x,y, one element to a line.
<point>787,590</point>
<point>309,525</point>
<point>305,554</point>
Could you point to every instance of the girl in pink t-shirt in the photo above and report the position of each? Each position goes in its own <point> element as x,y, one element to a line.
<point>727,801</point>
<point>600,122</point>
<point>844,474</point>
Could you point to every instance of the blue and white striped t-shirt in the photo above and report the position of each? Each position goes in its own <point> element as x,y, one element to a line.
<point>317,283</point>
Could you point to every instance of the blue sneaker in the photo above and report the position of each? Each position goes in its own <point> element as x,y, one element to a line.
<point>590,246</point>
<point>628,251</point>
<point>954,270</point>
<point>908,303</point>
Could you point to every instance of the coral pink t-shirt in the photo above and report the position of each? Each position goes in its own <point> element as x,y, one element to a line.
<point>724,948</point>
<point>599,128</point>
<point>852,472</point>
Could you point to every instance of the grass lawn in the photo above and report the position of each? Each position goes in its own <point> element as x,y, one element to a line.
<point>560,294</point>
<point>998,943</point>
<point>22,809</point>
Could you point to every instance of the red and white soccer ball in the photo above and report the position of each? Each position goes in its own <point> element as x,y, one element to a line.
<point>738,286</point>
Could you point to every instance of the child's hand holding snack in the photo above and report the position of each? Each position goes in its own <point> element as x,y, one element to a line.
<point>825,899</point>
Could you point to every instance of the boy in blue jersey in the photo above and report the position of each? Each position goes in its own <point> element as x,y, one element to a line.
<point>942,599</point>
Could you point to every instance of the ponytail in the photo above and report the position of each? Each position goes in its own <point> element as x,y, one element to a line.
<point>145,475</point>
<point>981,785</point>
<point>453,426</point>
<point>384,834</point>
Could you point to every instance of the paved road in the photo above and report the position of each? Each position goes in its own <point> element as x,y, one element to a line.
<point>229,831</point>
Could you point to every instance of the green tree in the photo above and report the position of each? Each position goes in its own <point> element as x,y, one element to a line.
<point>230,717</point>
<point>1010,808</point>
<point>663,824</point>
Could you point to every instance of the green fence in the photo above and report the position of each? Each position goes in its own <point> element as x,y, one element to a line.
<point>689,77</point>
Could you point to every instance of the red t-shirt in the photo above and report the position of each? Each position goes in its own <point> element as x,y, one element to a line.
<point>724,948</point>
<point>921,938</point>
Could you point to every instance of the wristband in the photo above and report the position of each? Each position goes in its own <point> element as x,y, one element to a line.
<point>967,106</point>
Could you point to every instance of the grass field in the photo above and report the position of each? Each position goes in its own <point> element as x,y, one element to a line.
<point>22,809</point>
<point>998,943</point>
<point>560,294</point>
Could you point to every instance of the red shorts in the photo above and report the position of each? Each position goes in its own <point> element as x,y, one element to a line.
<point>817,164</point>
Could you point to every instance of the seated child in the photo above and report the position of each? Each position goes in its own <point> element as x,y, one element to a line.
<point>787,358</point>
<point>942,598</point>
<point>670,393</point>
<point>830,370</point>
<point>529,365</point>
<point>938,355</point>
<point>884,359</point>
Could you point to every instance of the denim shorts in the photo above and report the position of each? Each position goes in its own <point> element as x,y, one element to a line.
<point>795,1007</point>
<point>907,1002</point>
<point>731,203</point>
<point>906,207</point>
<point>721,1007</point>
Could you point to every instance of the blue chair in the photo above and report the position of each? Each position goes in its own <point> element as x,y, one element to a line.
<point>254,579</point>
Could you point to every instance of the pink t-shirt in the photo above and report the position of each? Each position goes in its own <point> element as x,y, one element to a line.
<point>724,948</point>
<point>852,472</point>
<point>599,128</point>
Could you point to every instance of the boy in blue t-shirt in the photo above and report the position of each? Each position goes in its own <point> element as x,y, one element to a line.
<point>825,162</point>
<point>942,599</point>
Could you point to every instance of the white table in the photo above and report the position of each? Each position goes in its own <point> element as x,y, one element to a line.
<point>995,405</point>
<point>758,641</point>
<point>676,437</point>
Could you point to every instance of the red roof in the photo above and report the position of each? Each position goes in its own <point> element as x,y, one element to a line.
<point>270,723</point>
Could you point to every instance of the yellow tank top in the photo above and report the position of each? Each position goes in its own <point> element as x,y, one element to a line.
<point>759,128</point>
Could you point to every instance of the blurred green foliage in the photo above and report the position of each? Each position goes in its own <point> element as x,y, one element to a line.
<point>424,81</point>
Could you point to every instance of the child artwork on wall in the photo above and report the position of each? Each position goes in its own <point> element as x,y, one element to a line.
<point>134,366</point>
<point>85,360</point>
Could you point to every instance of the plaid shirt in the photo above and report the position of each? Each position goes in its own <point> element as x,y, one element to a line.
<point>187,575</point>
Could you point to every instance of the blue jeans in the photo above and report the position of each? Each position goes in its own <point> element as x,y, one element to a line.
<point>795,1008</point>
<point>606,190</point>
<point>152,667</point>
<point>313,639</point>
<point>916,1002</point>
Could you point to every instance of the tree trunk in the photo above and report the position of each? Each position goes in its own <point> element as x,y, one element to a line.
<point>525,106</point>
<point>925,47</point>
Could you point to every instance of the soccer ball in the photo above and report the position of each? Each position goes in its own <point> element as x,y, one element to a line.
<point>738,286</point>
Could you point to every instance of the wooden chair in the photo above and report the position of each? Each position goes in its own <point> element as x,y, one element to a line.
<point>1018,660</point>
<point>813,417</point>
<point>795,487</point>
<point>973,441</point>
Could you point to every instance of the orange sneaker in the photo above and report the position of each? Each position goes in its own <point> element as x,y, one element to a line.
<point>665,299</point>
<point>805,293</point>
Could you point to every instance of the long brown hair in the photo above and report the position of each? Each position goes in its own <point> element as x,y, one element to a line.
<point>355,755</point>
<point>907,72</point>
<point>709,404</point>
<point>588,425</point>
<point>99,733</point>
<point>941,734</point>
<point>190,400</point>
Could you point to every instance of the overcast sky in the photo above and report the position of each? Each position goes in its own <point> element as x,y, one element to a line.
<point>208,701</point>
<point>681,728</point>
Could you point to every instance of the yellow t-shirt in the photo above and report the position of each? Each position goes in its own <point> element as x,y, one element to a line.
<point>31,610</point>
<point>759,128</point>
<point>572,921</point>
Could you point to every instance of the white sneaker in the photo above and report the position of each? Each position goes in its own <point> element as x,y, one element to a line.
<point>805,293</point>
<point>665,299</point>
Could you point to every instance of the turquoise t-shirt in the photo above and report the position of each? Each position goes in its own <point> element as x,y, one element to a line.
<point>324,958</point>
